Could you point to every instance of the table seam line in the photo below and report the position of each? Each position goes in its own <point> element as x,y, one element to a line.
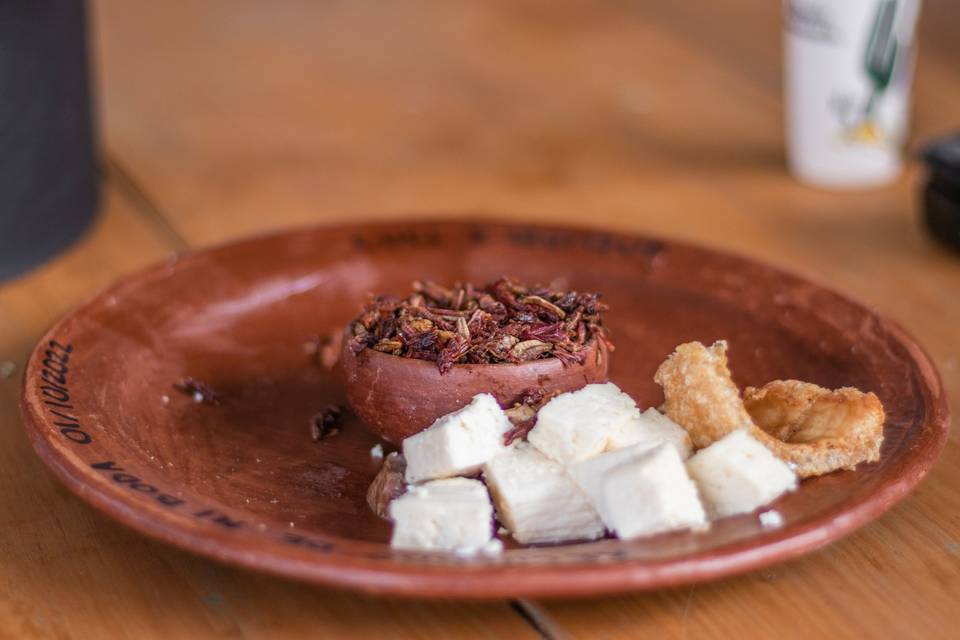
<point>142,203</point>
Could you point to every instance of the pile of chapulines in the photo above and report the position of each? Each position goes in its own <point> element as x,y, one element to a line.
<point>504,321</point>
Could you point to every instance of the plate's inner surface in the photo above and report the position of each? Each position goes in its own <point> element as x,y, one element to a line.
<point>238,318</point>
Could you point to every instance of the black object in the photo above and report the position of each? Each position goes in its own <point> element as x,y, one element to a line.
<point>48,172</point>
<point>941,195</point>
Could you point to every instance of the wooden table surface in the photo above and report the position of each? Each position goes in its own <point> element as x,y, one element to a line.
<point>222,119</point>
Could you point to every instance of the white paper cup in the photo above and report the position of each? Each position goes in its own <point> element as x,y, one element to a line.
<point>847,71</point>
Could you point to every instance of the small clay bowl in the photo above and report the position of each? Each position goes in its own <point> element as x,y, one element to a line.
<point>398,397</point>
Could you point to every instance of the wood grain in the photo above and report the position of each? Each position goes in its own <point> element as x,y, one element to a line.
<point>657,117</point>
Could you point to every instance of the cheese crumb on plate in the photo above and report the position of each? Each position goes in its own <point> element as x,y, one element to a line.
<point>771,519</point>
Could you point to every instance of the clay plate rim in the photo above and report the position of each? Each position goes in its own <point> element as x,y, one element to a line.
<point>488,582</point>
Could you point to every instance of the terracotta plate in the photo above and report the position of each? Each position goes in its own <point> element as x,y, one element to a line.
<point>242,482</point>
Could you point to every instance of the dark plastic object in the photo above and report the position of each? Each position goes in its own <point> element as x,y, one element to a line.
<point>48,171</point>
<point>941,195</point>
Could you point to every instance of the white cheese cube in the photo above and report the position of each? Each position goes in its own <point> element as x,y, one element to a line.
<point>576,426</point>
<point>589,473</point>
<point>737,474</point>
<point>650,494</point>
<point>452,514</point>
<point>457,443</point>
<point>537,500</point>
<point>651,427</point>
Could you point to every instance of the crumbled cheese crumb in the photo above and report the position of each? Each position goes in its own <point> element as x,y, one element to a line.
<point>164,400</point>
<point>377,451</point>
<point>492,548</point>
<point>771,519</point>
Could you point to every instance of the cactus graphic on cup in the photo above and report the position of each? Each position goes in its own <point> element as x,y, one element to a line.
<point>858,116</point>
<point>879,62</point>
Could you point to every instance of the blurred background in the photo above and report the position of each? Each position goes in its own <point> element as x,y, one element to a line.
<point>221,119</point>
<point>233,118</point>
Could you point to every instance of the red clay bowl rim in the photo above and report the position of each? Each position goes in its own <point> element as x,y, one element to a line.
<point>492,581</point>
<point>370,352</point>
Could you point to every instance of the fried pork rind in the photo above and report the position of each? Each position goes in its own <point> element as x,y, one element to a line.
<point>815,430</point>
